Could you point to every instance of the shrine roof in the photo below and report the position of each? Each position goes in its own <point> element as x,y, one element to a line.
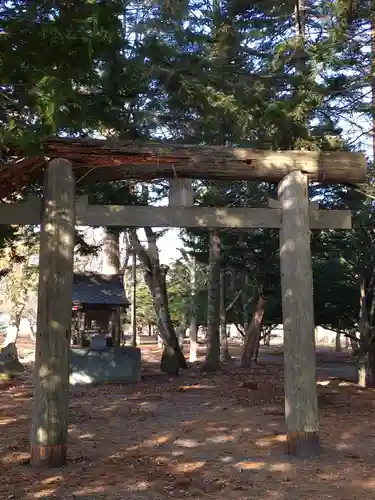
<point>98,289</point>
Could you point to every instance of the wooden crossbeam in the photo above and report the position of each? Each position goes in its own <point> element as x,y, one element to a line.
<point>29,213</point>
<point>113,159</point>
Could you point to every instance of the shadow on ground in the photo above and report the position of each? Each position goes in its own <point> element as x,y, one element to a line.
<point>198,436</point>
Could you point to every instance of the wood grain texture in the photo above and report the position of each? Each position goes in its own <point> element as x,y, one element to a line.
<point>113,160</point>
<point>51,376</point>
<point>301,409</point>
<point>29,212</point>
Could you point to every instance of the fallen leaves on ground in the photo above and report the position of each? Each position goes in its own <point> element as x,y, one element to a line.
<point>204,436</point>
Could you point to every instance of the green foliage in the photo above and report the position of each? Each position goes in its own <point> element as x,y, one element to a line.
<point>232,73</point>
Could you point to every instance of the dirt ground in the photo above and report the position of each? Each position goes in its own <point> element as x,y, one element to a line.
<point>199,436</point>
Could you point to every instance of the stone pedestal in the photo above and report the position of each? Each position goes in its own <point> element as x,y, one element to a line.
<point>116,365</point>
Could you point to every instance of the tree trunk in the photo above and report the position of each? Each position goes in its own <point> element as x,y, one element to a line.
<point>172,357</point>
<point>256,350</point>
<point>369,376</point>
<point>212,362</point>
<point>252,335</point>
<point>193,330</point>
<point>366,368</point>
<point>338,342</point>
<point>224,351</point>
<point>366,352</point>
<point>155,277</point>
<point>51,375</point>
<point>133,311</point>
<point>110,267</point>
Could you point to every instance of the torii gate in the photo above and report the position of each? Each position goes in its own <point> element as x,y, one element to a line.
<point>60,212</point>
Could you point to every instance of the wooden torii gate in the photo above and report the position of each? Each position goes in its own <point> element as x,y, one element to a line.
<point>59,212</point>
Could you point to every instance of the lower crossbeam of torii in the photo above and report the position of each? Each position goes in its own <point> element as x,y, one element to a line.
<point>29,213</point>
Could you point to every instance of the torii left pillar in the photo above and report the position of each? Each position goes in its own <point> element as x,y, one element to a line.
<point>51,375</point>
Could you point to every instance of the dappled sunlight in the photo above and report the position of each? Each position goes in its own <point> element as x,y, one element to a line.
<point>257,465</point>
<point>369,484</point>
<point>198,387</point>
<point>7,421</point>
<point>212,437</point>
<point>270,441</point>
<point>91,490</point>
<point>188,467</point>
<point>51,480</point>
<point>157,441</point>
<point>187,443</point>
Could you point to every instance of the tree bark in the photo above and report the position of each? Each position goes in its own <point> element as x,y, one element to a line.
<point>366,351</point>
<point>172,357</point>
<point>155,277</point>
<point>193,330</point>
<point>369,375</point>
<point>212,362</point>
<point>338,342</point>
<point>51,375</point>
<point>252,335</point>
<point>110,267</point>
<point>133,311</point>
<point>111,252</point>
<point>224,351</point>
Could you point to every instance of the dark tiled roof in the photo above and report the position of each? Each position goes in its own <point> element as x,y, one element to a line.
<point>94,288</point>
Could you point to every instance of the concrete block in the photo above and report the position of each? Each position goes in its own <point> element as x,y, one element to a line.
<point>115,364</point>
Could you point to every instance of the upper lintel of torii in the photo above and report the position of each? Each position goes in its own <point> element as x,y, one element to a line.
<point>96,160</point>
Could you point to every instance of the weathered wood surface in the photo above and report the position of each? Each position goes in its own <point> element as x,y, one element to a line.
<point>205,217</point>
<point>113,160</point>
<point>313,205</point>
<point>51,376</point>
<point>196,217</point>
<point>181,193</point>
<point>301,409</point>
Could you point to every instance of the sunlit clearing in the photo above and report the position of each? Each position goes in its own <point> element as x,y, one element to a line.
<point>364,484</point>
<point>90,491</point>
<point>45,493</point>
<point>189,466</point>
<point>157,441</point>
<point>53,479</point>
<point>280,467</point>
<point>343,446</point>
<point>255,465</point>
<point>346,435</point>
<point>187,443</point>
<point>339,383</point>
<point>177,453</point>
<point>139,486</point>
<point>265,442</point>
<point>250,465</point>
<point>197,386</point>
<point>87,436</point>
<point>216,429</point>
<point>6,421</point>
<point>224,438</point>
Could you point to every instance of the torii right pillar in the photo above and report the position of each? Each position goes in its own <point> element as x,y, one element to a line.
<point>301,405</point>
